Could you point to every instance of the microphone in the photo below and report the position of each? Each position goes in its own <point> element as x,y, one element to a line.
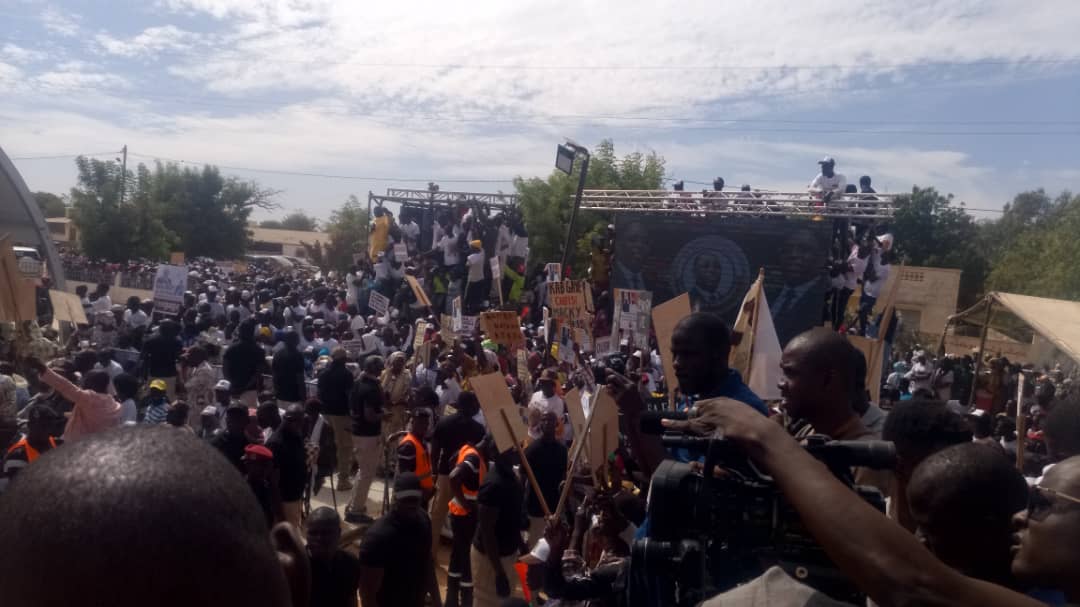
<point>650,420</point>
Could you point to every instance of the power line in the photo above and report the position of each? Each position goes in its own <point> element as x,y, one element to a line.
<point>326,175</point>
<point>60,156</point>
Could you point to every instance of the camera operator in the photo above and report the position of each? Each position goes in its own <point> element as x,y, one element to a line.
<point>884,560</point>
<point>700,345</point>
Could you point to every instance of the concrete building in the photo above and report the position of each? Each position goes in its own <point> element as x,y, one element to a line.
<point>927,297</point>
<point>62,230</point>
<point>290,243</point>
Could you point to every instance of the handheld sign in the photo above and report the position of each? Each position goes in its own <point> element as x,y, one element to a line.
<point>418,290</point>
<point>401,252</point>
<point>455,307</point>
<point>665,316</point>
<point>378,302</point>
<point>502,328</point>
<point>170,282</point>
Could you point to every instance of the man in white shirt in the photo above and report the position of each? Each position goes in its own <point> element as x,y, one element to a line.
<point>828,185</point>
<point>411,233</point>
<point>872,287</point>
<point>449,245</point>
<point>474,291</point>
<point>544,401</point>
<point>103,303</point>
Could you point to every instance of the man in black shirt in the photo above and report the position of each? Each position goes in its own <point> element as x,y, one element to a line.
<point>288,372</point>
<point>233,440</point>
<point>396,568</point>
<point>290,460</point>
<point>335,382</point>
<point>451,433</point>
<point>498,533</point>
<point>160,354</point>
<point>366,408</point>
<point>547,457</point>
<point>335,574</point>
<point>243,364</point>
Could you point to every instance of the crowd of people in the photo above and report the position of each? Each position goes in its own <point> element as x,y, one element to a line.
<point>208,442</point>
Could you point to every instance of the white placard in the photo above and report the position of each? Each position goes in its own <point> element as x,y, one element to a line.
<point>378,302</point>
<point>170,282</point>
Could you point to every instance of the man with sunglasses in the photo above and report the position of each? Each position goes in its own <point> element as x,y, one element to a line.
<point>887,562</point>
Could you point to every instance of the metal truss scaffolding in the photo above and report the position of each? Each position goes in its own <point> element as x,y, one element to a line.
<point>757,203</point>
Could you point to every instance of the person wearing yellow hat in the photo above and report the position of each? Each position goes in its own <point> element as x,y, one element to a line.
<point>474,289</point>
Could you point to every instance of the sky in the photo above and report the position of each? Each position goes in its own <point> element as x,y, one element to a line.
<point>323,99</point>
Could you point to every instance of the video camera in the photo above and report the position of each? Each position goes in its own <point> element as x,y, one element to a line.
<point>711,532</point>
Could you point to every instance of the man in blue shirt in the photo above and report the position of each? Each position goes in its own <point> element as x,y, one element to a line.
<point>700,345</point>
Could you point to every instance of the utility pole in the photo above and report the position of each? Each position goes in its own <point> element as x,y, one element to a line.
<point>123,173</point>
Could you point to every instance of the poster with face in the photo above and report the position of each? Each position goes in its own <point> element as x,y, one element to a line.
<point>715,259</point>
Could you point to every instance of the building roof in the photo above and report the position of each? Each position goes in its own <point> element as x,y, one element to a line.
<point>1057,320</point>
<point>57,220</point>
<point>290,237</point>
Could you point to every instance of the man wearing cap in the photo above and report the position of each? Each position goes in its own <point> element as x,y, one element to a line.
<point>259,472</point>
<point>335,382</point>
<point>366,406</point>
<point>290,460</point>
<point>828,185</point>
<point>396,566</point>
<point>474,289</point>
<point>545,400</point>
<point>232,441</point>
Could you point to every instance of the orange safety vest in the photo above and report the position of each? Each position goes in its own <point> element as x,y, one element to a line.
<point>456,508</point>
<point>31,453</point>
<point>423,462</point>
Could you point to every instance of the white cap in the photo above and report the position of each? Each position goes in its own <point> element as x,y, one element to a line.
<point>827,160</point>
<point>223,385</point>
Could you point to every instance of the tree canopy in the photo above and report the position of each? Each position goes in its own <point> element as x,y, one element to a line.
<point>297,220</point>
<point>347,229</point>
<point>50,204</point>
<point>168,208</point>
<point>546,204</point>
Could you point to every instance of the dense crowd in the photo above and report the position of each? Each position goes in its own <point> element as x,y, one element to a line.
<point>182,456</point>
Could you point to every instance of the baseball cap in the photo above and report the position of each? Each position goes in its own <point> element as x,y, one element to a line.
<point>223,385</point>
<point>209,410</point>
<point>827,160</point>
<point>260,452</point>
<point>158,384</point>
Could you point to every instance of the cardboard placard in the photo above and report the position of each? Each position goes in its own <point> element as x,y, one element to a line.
<point>17,294</point>
<point>170,282</point>
<point>494,398</point>
<point>583,339</point>
<point>353,348</point>
<point>418,290</point>
<point>554,272</point>
<point>604,433</point>
<point>502,328</point>
<point>421,329</point>
<point>468,324</point>
<point>455,314</point>
<point>67,307</point>
<point>378,302</point>
<point>632,319</point>
<point>446,327</point>
<point>665,316</point>
<point>569,306</point>
<point>401,252</point>
<point>176,258</point>
<point>602,347</point>
<point>566,345</point>
<point>523,367</point>
<point>576,412</point>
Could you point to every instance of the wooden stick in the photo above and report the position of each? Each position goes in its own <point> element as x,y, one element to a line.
<point>525,464</point>
<point>579,443</point>
<point>1021,423</point>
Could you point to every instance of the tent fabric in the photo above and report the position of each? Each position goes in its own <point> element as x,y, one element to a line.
<point>1057,320</point>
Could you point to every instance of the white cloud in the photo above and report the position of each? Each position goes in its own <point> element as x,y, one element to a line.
<point>147,43</point>
<point>58,22</point>
<point>21,55</point>
<point>77,76</point>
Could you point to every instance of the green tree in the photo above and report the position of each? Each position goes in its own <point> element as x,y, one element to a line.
<point>546,204</point>
<point>207,211</point>
<point>347,229</point>
<point>1041,258</point>
<point>932,231</point>
<point>297,220</point>
<point>103,223</point>
<point>50,204</point>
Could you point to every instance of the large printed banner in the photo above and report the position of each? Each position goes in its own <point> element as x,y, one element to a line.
<point>715,260</point>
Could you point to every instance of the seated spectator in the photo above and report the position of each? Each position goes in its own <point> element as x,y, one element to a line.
<point>828,185</point>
